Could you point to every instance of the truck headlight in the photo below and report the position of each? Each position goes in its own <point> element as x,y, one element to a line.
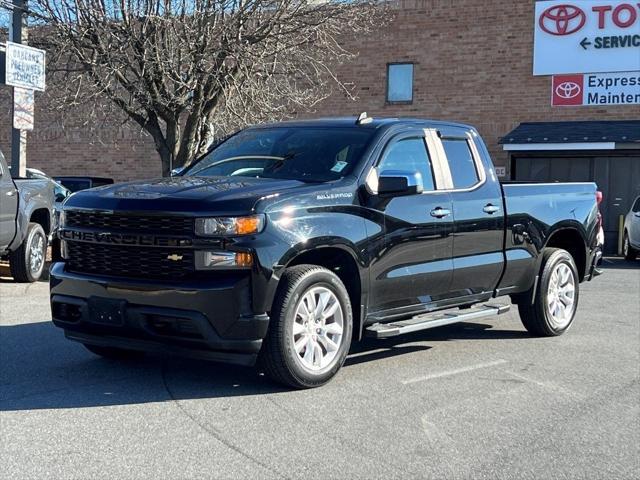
<point>229,226</point>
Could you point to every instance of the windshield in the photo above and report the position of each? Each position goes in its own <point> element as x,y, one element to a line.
<point>308,154</point>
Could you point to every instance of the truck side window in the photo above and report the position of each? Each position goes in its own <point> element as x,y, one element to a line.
<point>409,154</point>
<point>463,168</point>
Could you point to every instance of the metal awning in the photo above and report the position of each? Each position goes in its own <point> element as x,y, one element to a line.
<point>589,135</point>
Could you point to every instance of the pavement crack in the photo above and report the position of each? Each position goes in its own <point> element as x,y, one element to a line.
<point>212,431</point>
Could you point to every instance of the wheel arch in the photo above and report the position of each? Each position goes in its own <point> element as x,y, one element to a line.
<point>341,260</point>
<point>571,239</point>
<point>42,217</point>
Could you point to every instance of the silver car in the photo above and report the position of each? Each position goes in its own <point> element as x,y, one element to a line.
<point>631,246</point>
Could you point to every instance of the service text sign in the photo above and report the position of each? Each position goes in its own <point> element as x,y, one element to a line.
<point>25,67</point>
<point>586,36</point>
<point>593,89</point>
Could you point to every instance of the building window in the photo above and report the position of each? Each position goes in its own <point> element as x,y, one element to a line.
<point>400,82</point>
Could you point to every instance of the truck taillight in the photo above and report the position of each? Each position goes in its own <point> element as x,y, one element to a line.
<point>599,197</point>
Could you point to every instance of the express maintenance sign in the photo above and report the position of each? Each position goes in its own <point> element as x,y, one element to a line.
<point>25,67</point>
<point>586,36</point>
<point>592,89</point>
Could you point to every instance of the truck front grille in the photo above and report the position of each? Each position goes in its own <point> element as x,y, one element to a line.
<point>129,261</point>
<point>156,225</point>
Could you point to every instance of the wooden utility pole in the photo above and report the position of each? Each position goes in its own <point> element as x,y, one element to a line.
<point>18,34</point>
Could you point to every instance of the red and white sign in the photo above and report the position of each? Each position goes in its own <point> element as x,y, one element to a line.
<point>567,90</point>
<point>581,36</point>
<point>23,108</point>
<point>620,88</point>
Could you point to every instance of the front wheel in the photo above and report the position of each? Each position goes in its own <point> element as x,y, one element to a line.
<point>630,253</point>
<point>310,330</point>
<point>28,261</point>
<point>556,299</point>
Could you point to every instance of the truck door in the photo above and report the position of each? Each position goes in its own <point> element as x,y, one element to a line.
<point>8,205</point>
<point>412,264</point>
<point>478,215</point>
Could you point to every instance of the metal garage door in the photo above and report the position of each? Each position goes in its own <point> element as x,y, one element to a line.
<point>618,177</point>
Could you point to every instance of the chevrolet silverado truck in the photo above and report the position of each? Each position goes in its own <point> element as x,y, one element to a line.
<point>287,241</point>
<point>26,222</point>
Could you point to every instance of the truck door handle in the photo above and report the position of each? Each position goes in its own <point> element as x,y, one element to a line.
<point>11,193</point>
<point>490,209</point>
<point>440,212</point>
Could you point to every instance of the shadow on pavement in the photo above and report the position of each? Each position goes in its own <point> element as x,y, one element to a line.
<point>619,263</point>
<point>41,369</point>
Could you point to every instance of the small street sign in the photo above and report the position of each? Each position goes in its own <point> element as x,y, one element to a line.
<point>25,67</point>
<point>23,108</point>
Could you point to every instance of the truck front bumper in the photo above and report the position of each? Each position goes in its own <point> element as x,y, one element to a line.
<point>209,318</point>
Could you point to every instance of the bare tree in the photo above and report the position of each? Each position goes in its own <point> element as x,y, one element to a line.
<point>190,71</point>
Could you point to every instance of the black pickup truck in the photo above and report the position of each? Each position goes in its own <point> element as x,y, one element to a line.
<point>26,222</point>
<point>288,241</point>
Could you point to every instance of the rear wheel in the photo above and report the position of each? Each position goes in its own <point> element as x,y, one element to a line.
<point>27,262</point>
<point>630,253</point>
<point>556,297</point>
<point>114,353</point>
<point>310,331</point>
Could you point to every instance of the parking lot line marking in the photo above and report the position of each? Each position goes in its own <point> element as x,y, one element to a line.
<point>454,372</point>
<point>547,385</point>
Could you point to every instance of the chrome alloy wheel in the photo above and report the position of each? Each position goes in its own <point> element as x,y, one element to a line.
<point>561,296</point>
<point>36,254</point>
<point>317,330</point>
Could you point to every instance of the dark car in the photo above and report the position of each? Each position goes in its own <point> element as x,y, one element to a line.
<point>288,241</point>
<point>75,184</point>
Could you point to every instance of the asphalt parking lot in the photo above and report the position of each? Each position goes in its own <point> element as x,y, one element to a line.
<point>480,400</point>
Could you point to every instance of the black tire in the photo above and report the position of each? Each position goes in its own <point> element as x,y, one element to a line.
<point>535,316</point>
<point>113,353</point>
<point>630,253</point>
<point>20,260</point>
<point>278,357</point>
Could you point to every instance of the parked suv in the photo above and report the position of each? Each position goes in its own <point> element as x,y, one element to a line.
<point>631,245</point>
<point>288,241</point>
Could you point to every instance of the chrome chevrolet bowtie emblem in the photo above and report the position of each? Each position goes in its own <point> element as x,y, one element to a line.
<point>174,257</point>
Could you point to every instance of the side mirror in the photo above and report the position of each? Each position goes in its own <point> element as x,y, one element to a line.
<point>399,182</point>
<point>176,172</point>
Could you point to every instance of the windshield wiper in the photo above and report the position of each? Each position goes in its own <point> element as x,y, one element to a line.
<point>277,164</point>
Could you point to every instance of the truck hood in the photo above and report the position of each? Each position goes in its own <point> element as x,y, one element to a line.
<point>189,195</point>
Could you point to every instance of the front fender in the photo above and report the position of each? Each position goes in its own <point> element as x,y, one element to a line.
<point>290,234</point>
<point>33,194</point>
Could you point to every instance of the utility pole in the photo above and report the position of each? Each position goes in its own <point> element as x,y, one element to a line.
<point>18,34</point>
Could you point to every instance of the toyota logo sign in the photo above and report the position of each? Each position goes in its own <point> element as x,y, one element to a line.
<point>562,19</point>
<point>568,90</point>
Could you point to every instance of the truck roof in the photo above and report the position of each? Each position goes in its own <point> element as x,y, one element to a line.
<point>373,122</point>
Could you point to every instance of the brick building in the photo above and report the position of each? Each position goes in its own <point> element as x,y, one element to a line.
<point>465,60</point>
